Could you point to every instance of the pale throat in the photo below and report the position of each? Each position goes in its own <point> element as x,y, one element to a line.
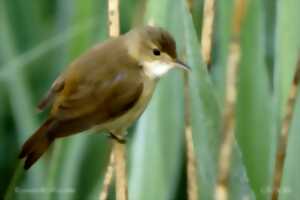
<point>156,69</point>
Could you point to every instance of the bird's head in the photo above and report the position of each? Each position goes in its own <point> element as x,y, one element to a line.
<point>155,50</point>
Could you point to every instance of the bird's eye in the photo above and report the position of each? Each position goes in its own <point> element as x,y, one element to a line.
<point>156,52</point>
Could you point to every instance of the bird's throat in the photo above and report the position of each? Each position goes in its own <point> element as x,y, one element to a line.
<point>156,69</point>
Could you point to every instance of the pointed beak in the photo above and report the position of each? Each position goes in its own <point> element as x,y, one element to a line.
<point>182,65</point>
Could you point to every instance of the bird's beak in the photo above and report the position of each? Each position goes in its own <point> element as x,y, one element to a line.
<point>182,65</point>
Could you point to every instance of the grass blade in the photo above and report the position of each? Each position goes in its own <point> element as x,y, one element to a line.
<point>287,44</point>
<point>254,124</point>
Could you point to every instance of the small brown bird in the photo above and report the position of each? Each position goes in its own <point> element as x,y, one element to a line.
<point>106,88</point>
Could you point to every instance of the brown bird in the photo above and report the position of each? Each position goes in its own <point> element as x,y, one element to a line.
<point>106,88</point>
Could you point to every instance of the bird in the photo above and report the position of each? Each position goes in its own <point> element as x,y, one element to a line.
<point>107,88</point>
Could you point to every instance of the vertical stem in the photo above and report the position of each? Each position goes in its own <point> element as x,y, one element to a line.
<point>113,18</point>
<point>207,30</point>
<point>118,148</point>
<point>192,186</point>
<point>108,178</point>
<point>283,140</point>
<point>221,190</point>
<point>120,169</point>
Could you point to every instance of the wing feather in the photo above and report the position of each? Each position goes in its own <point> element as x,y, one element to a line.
<point>48,99</point>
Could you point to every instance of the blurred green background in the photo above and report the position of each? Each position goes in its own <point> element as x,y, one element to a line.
<point>39,38</point>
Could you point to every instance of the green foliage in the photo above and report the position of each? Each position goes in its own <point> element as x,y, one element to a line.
<point>39,38</point>
<point>254,126</point>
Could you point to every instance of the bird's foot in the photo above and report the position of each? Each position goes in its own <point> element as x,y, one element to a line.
<point>119,139</point>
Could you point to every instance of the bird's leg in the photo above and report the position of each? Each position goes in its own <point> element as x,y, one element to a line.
<point>119,139</point>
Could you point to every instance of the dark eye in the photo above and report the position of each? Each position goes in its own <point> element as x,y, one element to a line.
<point>156,52</point>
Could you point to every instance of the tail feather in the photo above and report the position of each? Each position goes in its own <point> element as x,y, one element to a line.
<point>36,145</point>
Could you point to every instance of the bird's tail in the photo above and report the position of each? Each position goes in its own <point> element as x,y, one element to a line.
<point>37,144</point>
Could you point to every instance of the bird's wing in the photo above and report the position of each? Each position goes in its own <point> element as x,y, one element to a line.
<point>109,98</point>
<point>48,99</point>
<point>94,106</point>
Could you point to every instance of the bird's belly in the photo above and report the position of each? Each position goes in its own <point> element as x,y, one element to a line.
<point>121,123</point>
